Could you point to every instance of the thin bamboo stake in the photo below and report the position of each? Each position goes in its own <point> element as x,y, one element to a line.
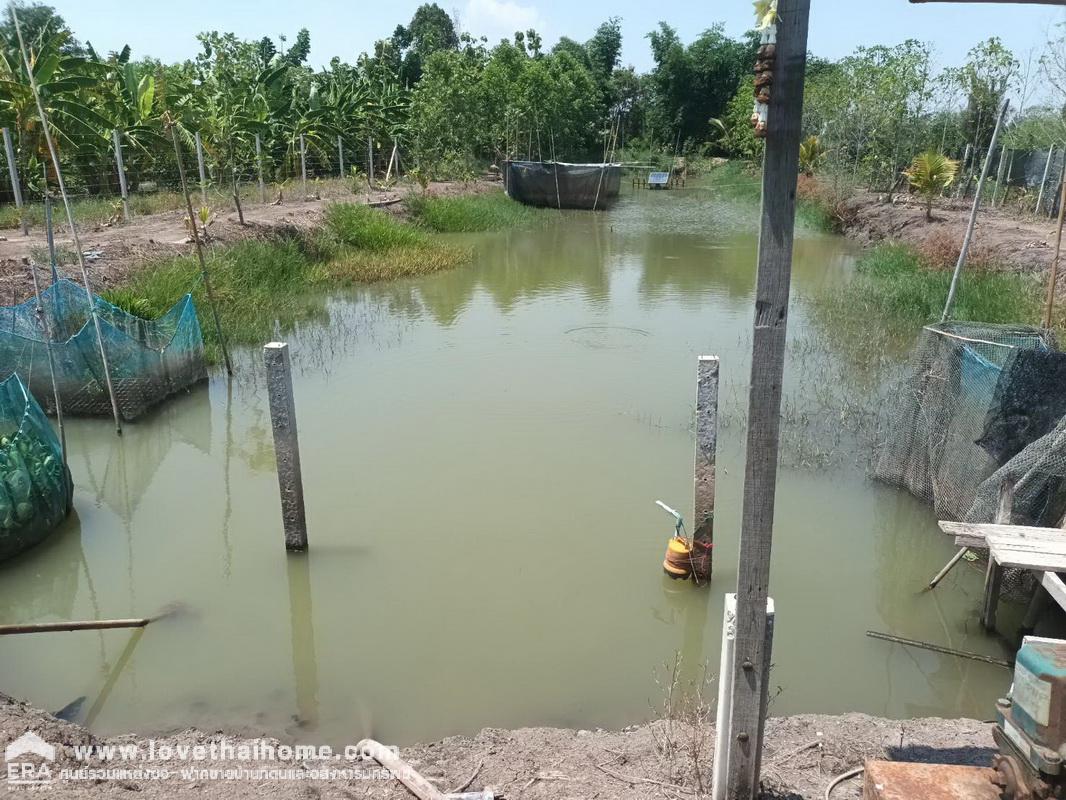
<point>1049,302</point>
<point>555,160</point>
<point>70,219</point>
<point>79,625</point>
<point>200,252</point>
<point>392,159</point>
<point>973,213</point>
<point>948,651</point>
<point>46,328</point>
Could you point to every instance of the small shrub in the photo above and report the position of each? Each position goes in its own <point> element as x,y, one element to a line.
<point>940,250</point>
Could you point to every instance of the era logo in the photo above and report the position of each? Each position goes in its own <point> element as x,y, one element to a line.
<point>28,759</point>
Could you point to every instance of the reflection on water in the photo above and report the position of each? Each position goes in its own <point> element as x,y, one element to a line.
<point>481,453</point>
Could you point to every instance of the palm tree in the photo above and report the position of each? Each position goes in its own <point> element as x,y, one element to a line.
<point>931,173</point>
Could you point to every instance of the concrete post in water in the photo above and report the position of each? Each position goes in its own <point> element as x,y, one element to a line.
<point>200,166</point>
<point>704,467</point>
<point>303,165</point>
<point>722,736</point>
<point>1043,179</point>
<point>259,166</point>
<point>340,155</point>
<point>115,138</point>
<point>286,444</point>
<point>13,173</point>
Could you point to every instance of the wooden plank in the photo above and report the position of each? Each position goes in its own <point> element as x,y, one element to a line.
<point>1055,587</point>
<point>971,542</point>
<point>980,531</point>
<point>1028,559</point>
<point>776,230</point>
<point>996,543</point>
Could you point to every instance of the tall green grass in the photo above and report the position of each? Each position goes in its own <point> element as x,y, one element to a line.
<point>470,214</point>
<point>256,282</point>
<point>370,229</point>
<point>894,286</point>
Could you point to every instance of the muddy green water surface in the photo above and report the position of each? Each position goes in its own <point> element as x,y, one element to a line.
<point>481,455</point>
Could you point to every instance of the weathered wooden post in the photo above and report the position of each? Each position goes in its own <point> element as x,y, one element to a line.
<point>751,658</point>
<point>13,173</point>
<point>703,470</point>
<point>200,167</point>
<point>259,167</point>
<point>303,165</point>
<point>1043,179</point>
<point>994,572</point>
<point>1053,273</point>
<point>115,138</point>
<point>340,155</point>
<point>286,444</point>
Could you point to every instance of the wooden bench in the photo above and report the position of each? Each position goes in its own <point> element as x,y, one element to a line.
<point>1041,550</point>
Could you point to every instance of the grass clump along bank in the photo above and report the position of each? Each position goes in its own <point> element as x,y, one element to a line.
<point>894,284</point>
<point>283,278</point>
<point>470,214</point>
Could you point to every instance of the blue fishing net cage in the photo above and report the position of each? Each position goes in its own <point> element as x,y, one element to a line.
<point>149,359</point>
<point>36,490</point>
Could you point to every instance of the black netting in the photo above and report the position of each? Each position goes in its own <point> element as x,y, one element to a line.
<point>558,185</point>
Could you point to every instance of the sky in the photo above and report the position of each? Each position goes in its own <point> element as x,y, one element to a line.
<point>167,30</point>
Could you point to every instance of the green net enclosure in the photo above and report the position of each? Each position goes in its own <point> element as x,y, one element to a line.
<point>35,487</point>
<point>149,359</point>
<point>946,436</point>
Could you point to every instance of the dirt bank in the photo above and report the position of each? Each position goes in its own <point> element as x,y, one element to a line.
<point>115,251</point>
<point>647,761</point>
<point>1002,238</point>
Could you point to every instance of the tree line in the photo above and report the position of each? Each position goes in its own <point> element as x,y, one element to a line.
<point>449,102</point>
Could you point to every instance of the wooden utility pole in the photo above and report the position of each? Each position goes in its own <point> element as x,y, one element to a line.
<point>778,221</point>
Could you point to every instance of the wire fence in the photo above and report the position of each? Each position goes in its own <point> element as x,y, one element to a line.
<point>152,182</point>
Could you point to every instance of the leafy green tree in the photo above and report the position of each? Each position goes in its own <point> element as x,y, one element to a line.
<point>430,31</point>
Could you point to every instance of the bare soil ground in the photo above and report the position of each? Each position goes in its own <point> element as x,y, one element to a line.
<point>116,251</point>
<point>648,761</point>
<point>1003,238</point>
